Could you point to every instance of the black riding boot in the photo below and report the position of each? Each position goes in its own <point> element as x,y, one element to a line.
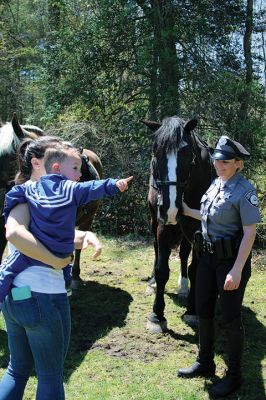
<point>232,380</point>
<point>204,365</point>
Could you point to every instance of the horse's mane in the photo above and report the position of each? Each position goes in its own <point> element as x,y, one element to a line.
<point>169,136</point>
<point>34,129</point>
<point>8,139</point>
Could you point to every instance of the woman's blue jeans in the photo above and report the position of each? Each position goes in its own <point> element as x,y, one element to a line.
<point>38,331</point>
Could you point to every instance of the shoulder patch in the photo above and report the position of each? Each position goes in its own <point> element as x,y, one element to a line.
<point>252,198</point>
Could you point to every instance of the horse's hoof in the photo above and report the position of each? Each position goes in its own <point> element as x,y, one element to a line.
<point>152,283</point>
<point>149,291</point>
<point>75,284</point>
<point>181,296</point>
<point>182,289</point>
<point>153,327</point>
<point>191,320</point>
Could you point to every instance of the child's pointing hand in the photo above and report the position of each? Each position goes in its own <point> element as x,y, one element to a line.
<point>122,184</point>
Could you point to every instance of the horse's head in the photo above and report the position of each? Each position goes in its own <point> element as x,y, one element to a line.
<point>11,134</point>
<point>171,165</point>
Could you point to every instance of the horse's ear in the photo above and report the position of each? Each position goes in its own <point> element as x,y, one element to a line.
<point>153,125</point>
<point>16,127</point>
<point>191,124</point>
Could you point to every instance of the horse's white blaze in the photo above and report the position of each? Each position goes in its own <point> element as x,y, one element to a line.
<point>173,210</point>
<point>7,139</point>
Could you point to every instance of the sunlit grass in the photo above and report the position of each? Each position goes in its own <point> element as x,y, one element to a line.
<point>113,357</point>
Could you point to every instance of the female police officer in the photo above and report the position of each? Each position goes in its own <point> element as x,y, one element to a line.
<point>229,213</point>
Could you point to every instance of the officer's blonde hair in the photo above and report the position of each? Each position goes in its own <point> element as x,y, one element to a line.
<point>241,164</point>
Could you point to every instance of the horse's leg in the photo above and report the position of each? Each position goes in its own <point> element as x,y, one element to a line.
<point>2,237</point>
<point>190,316</point>
<point>151,288</point>
<point>76,270</point>
<point>156,321</point>
<point>184,251</point>
<point>84,220</point>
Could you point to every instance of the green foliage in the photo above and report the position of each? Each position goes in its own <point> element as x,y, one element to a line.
<point>124,151</point>
<point>111,63</point>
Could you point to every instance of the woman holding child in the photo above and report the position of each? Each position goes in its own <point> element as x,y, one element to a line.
<point>38,325</point>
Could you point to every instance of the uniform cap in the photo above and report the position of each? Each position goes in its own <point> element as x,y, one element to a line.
<point>227,149</point>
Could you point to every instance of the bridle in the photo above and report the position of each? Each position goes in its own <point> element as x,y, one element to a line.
<point>157,183</point>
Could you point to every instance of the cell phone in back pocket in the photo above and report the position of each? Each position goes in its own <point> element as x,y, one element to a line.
<point>21,293</point>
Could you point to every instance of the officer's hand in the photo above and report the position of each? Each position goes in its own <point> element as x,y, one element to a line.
<point>185,208</point>
<point>232,280</point>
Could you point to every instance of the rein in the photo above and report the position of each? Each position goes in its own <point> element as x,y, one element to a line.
<point>174,183</point>
<point>90,170</point>
<point>212,173</point>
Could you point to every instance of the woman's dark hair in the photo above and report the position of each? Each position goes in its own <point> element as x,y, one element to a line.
<point>29,149</point>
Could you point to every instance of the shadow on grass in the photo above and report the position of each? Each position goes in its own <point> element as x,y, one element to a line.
<point>254,355</point>
<point>4,349</point>
<point>254,351</point>
<point>177,300</point>
<point>96,309</point>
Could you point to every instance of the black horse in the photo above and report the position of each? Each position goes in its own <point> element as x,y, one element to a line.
<point>180,168</point>
<point>11,134</point>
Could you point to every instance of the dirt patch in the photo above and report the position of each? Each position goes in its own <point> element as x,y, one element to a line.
<point>145,347</point>
<point>259,260</point>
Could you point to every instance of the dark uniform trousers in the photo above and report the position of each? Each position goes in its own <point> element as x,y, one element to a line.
<point>210,279</point>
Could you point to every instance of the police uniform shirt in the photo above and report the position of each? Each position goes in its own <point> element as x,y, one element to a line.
<point>227,206</point>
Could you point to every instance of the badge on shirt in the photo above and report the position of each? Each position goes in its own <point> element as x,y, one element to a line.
<point>251,196</point>
<point>227,195</point>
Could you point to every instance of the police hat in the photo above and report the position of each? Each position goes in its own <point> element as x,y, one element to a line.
<point>228,149</point>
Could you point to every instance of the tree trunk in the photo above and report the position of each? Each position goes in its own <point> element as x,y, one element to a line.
<point>246,94</point>
<point>164,42</point>
<point>164,75</point>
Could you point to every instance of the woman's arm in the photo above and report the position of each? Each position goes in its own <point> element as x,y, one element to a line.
<point>17,233</point>
<point>85,239</point>
<point>191,212</point>
<point>233,278</point>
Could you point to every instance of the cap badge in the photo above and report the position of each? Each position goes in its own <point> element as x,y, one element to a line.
<point>222,141</point>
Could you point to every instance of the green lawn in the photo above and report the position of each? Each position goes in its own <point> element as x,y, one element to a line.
<point>112,356</point>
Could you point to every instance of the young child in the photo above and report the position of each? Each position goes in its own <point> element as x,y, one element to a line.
<point>53,203</point>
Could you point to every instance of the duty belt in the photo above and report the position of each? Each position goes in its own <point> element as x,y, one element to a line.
<point>221,247</point>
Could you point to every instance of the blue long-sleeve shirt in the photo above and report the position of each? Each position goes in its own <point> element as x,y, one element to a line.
<point>53,203</point>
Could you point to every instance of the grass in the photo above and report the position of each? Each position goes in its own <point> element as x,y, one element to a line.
<point>111,354</point>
